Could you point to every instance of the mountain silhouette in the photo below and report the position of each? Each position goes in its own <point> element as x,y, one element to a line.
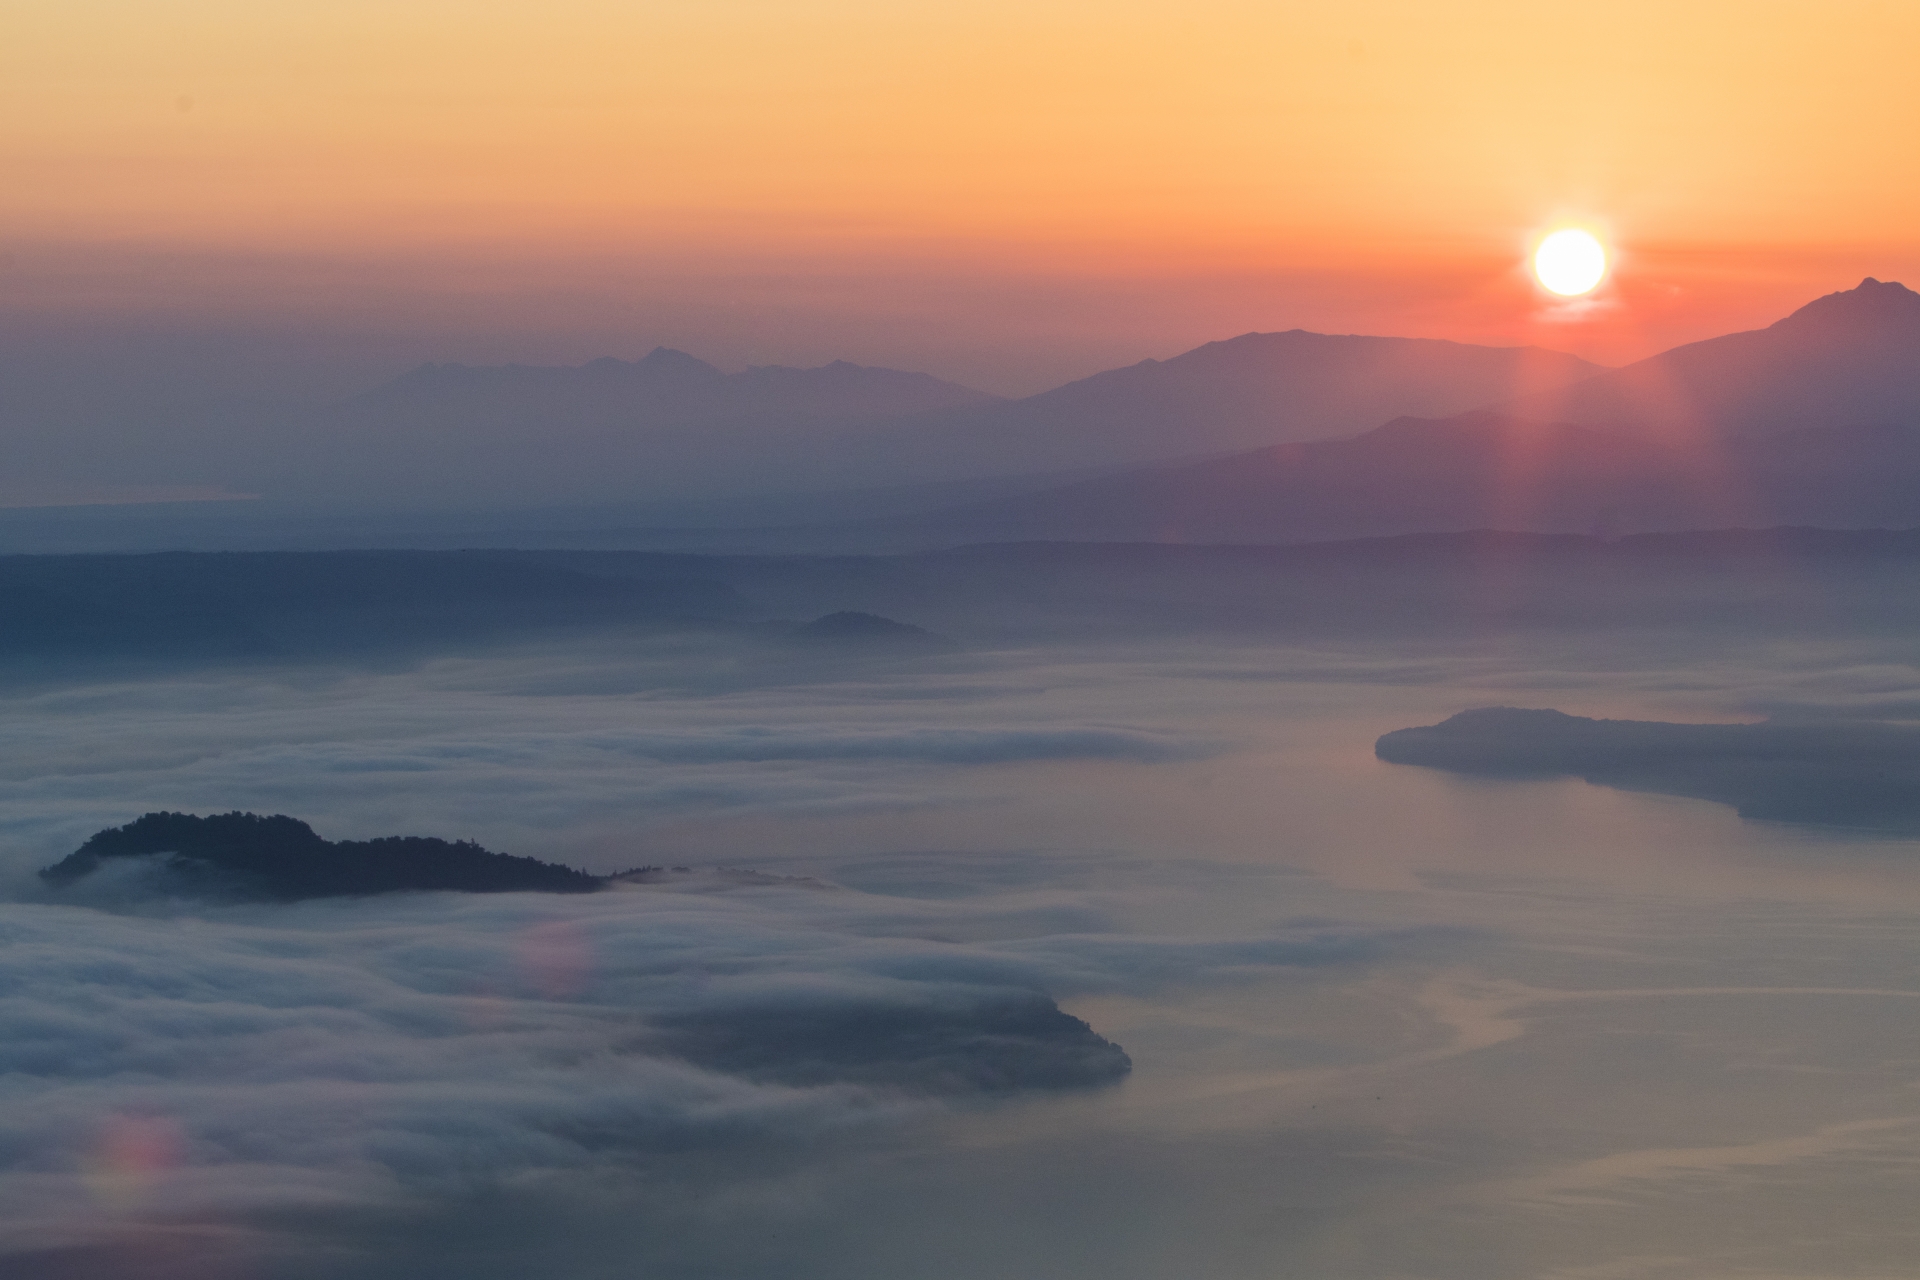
<point>1852,773</point>
<point>1475,470</point>
<point>1251,391</point>
<point>1264,437</point>
<point>1480,470</point>
<point>278,857</point>
<point>1849,359</point>
<point>670,426</point>
<point>673,382</point>
<point>852,631</point>
<point>1815,420</point>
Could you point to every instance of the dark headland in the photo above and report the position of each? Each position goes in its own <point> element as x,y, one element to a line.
<point>282,858</point>
<point>1860,773</point>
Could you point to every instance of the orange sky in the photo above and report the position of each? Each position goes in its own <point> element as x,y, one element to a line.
<point>1224,163</point>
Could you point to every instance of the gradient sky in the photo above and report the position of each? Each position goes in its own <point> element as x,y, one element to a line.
<point>1006,193</point>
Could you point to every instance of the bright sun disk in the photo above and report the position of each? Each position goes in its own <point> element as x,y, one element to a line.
<point>1570,262</point>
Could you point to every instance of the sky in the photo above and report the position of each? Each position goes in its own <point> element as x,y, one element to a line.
<point>295,200</point>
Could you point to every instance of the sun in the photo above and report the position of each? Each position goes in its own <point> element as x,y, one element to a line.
<point>1570,262</point>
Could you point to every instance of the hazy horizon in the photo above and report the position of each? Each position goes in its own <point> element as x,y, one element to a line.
<point>270,447</point>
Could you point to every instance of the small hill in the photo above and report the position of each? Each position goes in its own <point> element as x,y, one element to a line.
<point>283,858</point>
<point>993,1042</point>
<point>851,629</point>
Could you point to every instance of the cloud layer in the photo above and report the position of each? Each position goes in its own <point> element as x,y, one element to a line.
<point>258,1059</point>
<point>1369,1010</point>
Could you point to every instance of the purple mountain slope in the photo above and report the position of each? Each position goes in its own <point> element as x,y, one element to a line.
<point>1254,390</point>
<point>1848,359</point>
<point>1670,442</point>
<point>1477,470</point>
<point>672,427</point>
<point>666,383</point>
<point>1815,420</point>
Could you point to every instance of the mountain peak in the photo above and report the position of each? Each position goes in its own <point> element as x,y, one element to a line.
<point>666,359</point>
<point>1872,305</point>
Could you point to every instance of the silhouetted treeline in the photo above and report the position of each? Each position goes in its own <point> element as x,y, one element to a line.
<point>1849,773</point>
<point>225,605</point>
<point>58,614</point>
<point>282,857</point>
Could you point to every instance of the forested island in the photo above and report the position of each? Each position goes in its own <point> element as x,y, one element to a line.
<point>282,858</point>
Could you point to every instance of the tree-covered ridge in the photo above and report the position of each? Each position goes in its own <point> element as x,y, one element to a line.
<point>284,858</point>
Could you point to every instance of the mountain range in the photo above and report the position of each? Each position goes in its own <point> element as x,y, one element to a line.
<point>1845,360</point>
<point>1268,437</point>
<point>670,427</point>
<point>1254,390</point>
<point>1814,420</point>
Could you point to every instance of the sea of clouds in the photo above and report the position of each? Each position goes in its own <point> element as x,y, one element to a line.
<point>1050,962</point>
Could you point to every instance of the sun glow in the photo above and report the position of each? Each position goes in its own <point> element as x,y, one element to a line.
<point>1570,262</point>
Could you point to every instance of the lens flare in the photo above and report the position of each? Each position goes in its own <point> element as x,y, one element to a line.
<point>133,1154</point>
<point>1570,262</point>
<point>558,957</point>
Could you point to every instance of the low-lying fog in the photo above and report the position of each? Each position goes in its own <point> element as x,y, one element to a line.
<point>1383,1020</point>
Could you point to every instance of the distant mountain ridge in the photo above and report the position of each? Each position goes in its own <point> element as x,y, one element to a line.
<point>1479,470</point>
<point>670,426</point>
<point>665,378</point>
<point>1848,359</point>
<point>1255,390</point>
<point>1585,460</point>
<point>1264,437</point>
